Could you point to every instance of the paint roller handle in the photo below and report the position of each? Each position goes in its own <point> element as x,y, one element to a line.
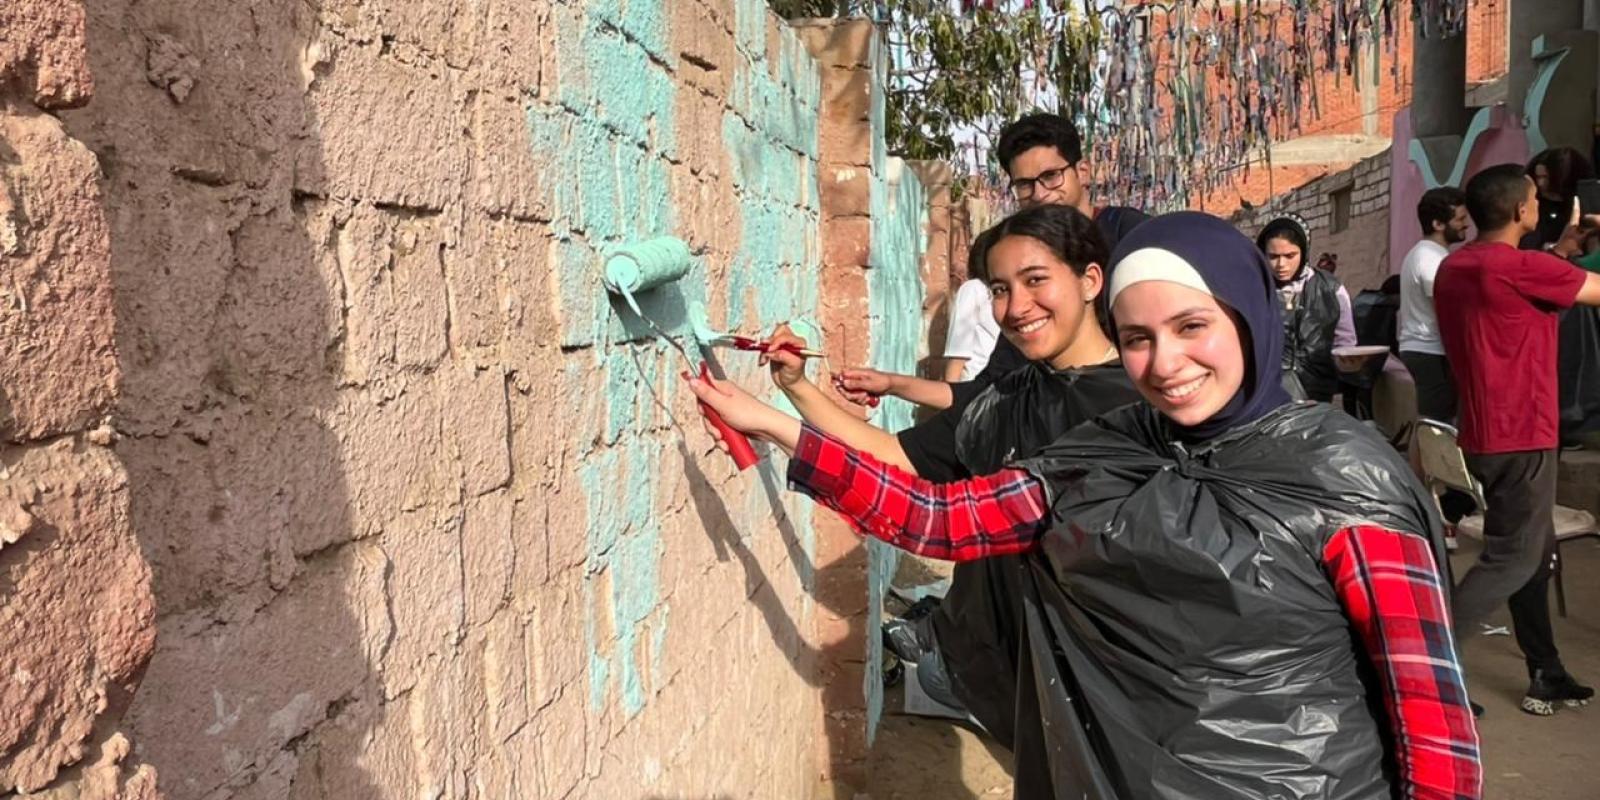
<point>744,456</point>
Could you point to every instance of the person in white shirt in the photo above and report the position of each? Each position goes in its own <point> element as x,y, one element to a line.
<point>973,331</point>
<point>1443,214</point>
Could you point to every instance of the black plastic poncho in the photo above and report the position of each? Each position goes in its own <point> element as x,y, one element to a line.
<point>1182,637</point>
<point>975,627</point>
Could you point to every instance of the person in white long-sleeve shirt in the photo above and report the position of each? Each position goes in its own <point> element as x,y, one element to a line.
<point>973,332</point>
<point>1443,215</point>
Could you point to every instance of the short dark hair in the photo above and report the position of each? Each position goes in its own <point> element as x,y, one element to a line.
<point>1439,205</point>
<point>1566,167</point>
<point>1039,130</point>
<point>1071,236</point>
<point>1494,194</point>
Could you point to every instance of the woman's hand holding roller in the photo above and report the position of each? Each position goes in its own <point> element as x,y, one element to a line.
<point>744,412</point>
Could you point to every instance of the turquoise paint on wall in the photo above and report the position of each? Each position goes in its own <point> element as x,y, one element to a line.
<point>770,135</point>
<point>894,284</point>
<point>608,132</point>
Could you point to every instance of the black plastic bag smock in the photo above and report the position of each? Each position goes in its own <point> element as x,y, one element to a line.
<point>1183,638</point>
<point>975,627</point>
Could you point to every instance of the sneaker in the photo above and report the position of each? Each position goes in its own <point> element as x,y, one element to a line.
<point>1551,689</point>
<point>1450,543</point>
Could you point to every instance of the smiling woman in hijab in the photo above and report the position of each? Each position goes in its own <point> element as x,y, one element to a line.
<point>1227,594</point>
<point>1316,309</point>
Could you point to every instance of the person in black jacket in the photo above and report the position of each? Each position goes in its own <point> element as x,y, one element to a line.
<point>1044,268</point>
<point>1227,594</point>
<point>1316,310</point>
<point>1042,155</point>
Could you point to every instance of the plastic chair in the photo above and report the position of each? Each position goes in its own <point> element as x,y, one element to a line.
<point>1444,466</point>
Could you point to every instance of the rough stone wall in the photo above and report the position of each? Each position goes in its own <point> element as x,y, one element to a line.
<point>1363,245</point>
<point>874,232</point>
<point>427,512</point>
<point>77,618</point>
<point>944,263</point>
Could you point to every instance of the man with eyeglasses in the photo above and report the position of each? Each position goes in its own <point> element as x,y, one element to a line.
<point>1043,156</point>
<point>962,642</point>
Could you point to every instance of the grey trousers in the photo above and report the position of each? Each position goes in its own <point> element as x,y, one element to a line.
<point>1519,540</point>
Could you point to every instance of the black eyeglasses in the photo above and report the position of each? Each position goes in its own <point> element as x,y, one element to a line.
<point>1023,188</point>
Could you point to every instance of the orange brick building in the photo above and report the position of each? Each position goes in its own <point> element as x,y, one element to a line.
<point>1356,104</point>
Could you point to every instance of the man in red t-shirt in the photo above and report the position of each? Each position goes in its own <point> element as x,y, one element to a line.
<point>1497,308</point>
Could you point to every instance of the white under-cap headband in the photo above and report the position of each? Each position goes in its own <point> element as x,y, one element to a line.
<point>1154,264</point>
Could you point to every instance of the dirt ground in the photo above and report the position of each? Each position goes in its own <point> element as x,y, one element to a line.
<point>1526,757</point>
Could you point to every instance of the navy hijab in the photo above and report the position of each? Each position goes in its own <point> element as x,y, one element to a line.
<point>1236,274</point>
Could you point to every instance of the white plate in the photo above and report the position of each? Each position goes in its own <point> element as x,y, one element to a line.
<point>1360,351</point>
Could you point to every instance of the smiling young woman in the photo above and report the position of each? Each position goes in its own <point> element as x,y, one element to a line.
<point>1043,269</point>
<point>1203,574</point>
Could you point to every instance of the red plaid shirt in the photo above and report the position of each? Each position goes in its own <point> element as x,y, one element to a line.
<point>1388,582</point>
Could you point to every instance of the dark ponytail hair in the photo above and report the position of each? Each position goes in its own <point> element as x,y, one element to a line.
<point>1566,167</point>
<point>1071,236</point>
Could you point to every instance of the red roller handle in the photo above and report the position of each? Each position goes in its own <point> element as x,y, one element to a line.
<point>744,456</point>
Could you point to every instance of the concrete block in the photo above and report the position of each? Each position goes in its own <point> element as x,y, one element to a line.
<point>425,595</point>
<point>846,95</point>
<point>707,56</point>
<point>500,284</point>
<point>392,273</point>
<point>45,52</point>
<point>846,192</point>
<point>357,102</point>
<point>488,555</point>
<point>838,43</point>
<point>60,367</point>
<point>382,480</point>
<point>563,733</point>
<point>554,641</point>
<point>514,170</point>
<point>78,625</point>
<point>847,241</point>
<point>477,425</point>
<point>505,49</point>
<point>219,702</point>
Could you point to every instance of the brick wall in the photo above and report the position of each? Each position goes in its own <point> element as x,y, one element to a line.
<point>1363,245</point>
<point>1345,108</point>
<point>427,512</point>
<point>77,618</point>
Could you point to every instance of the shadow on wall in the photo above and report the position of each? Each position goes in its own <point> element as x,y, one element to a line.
<point>273,612</point>
<point>724,535</point>
<point>834,669</point>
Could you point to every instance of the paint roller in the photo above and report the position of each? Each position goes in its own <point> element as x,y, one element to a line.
<point>646,265</point>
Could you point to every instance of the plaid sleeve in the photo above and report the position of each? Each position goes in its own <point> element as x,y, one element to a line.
<point>1392,592</point>
<point>994,515</point>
